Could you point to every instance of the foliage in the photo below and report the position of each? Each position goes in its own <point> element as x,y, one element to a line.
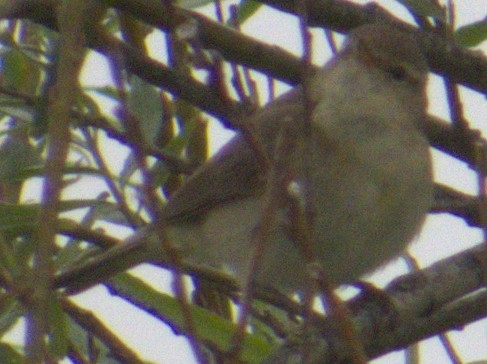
<point>163,137</point>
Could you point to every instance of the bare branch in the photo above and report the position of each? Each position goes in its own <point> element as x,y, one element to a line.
<point>419,305</point>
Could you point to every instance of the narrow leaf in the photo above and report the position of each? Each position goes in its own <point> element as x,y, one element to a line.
<point>209,326</point>
<point>473,34</point>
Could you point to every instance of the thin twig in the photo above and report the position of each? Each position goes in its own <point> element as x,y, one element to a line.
<point>278,179</point>
<point>98,329</point>
<point>117,194</point>
<point>151,200</point>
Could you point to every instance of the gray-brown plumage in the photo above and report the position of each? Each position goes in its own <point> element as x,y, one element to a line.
<point>367,159</point>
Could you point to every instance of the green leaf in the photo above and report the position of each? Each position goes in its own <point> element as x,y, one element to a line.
<point>16,154</point>
<point>246,9</point>
<point>192,4</point>
<point>17,108</point>
<point>263,329</point>
<point>111,22</point>
<point>84,342</point>
<point>208,325</point>
<point>144,102</point>
<point>424,7</point>
<point>89,106</point>
<point>108,91</point>
<point>38,171</point>
<point>8,258</point>
<point>25,217</point>
<point>15,68</point>
<point>9,355</point>
<point>10,312</point>
<point>177,144</point>
<point>58,339</point>
<point>109,212</point>
<point>73,253</point>
<point>161,173</point>
<point>128,169</point>
<point>472,35</point>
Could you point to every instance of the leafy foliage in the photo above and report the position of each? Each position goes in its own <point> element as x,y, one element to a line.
<point>473,34</point>
<point>131,145</point>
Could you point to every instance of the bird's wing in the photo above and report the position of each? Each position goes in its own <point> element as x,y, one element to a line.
<point>233,172</point>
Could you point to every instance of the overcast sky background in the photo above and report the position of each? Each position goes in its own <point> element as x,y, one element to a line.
<point>442,235</point>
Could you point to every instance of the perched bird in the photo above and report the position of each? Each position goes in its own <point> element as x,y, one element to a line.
<point>360,154</point>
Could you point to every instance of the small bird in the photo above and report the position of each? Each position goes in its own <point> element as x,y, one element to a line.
<point>362,157</point>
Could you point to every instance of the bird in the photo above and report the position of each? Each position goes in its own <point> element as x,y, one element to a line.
<point>357,153</point>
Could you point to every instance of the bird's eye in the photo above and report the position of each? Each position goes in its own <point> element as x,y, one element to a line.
<point>398,73</point>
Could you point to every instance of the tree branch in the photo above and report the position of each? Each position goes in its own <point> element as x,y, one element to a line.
<point>71,18</point>
<point>445,58</point>
<point>98,329</point>
<point>444,296</point>
<point>240,48</point>
<point>419,305</point>
<point>461,65</point>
